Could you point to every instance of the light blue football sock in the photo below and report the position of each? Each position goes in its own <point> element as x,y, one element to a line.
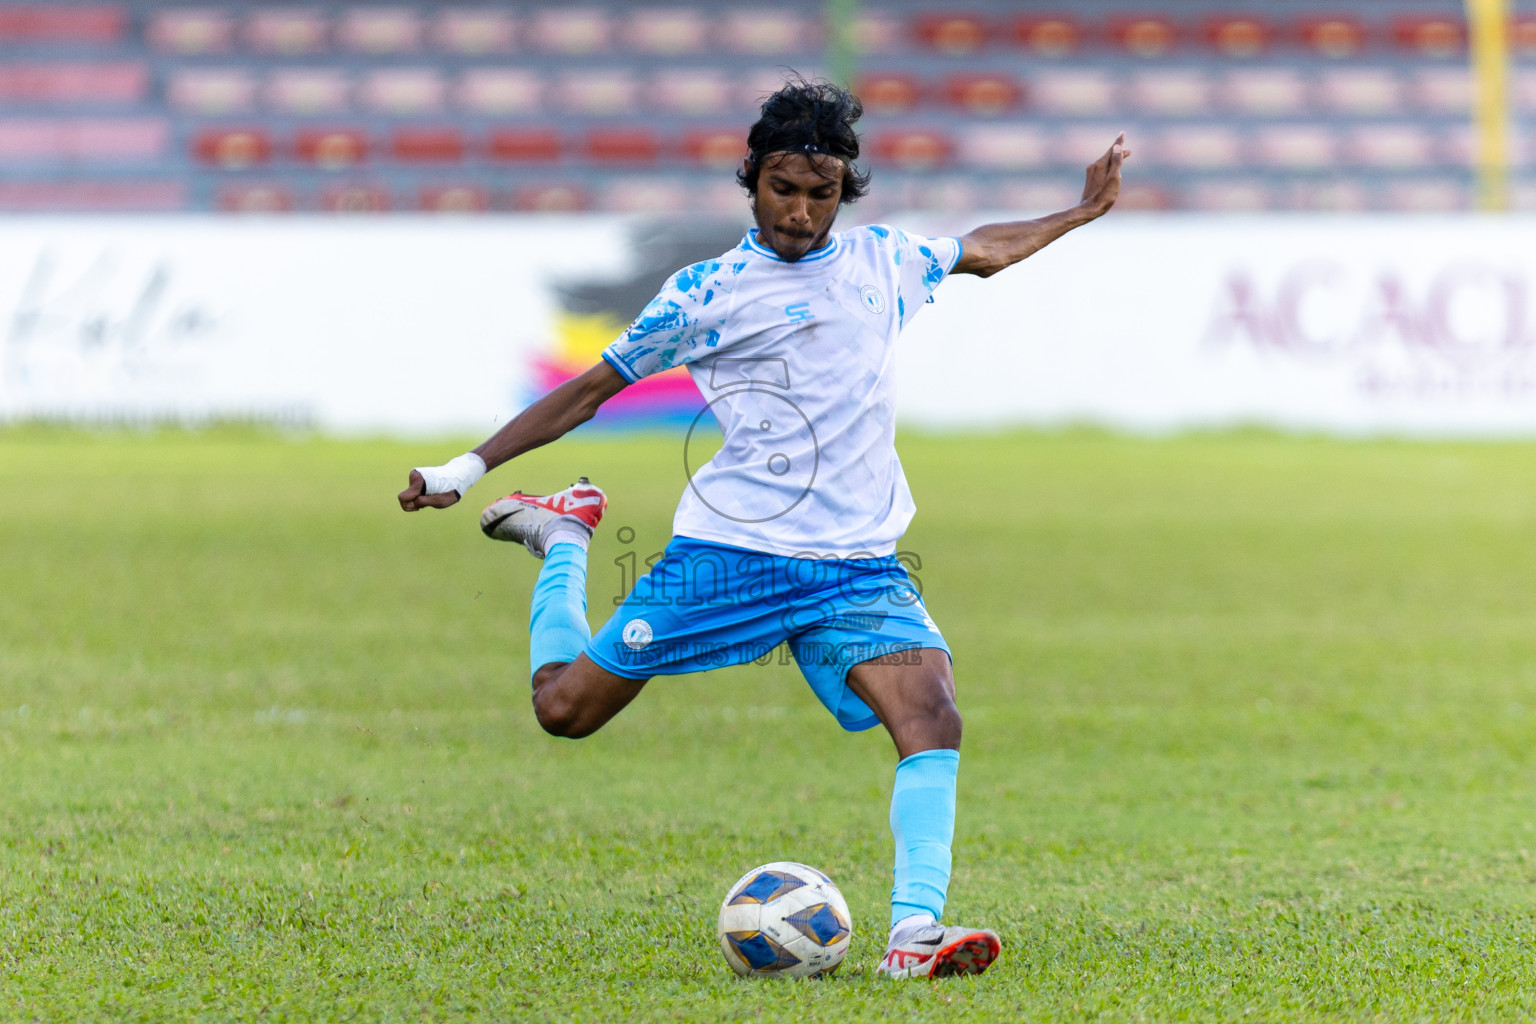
<point>923,823</point>
<point>558,622</point>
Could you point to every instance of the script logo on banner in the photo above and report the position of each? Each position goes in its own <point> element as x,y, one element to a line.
<point>1460,333</point>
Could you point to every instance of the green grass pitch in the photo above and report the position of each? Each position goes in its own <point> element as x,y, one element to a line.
<point>1250,724</point>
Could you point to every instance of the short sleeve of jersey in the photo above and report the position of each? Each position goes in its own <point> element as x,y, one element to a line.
<point>921,263</point>
<point>681,324</point>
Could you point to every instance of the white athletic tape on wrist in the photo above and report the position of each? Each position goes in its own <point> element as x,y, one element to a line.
<point>458,474</point>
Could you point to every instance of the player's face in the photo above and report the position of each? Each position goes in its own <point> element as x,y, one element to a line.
<point>797,202</point>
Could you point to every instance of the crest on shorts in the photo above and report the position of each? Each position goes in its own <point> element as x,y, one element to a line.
<point>637,634</point>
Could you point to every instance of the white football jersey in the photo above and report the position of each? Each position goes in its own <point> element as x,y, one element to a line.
<point>796,361</point>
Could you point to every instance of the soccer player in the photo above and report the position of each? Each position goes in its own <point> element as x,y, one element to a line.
<point>788,534</point>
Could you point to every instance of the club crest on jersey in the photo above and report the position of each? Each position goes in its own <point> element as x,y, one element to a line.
<point>872,299</point>
<point>637,634</point>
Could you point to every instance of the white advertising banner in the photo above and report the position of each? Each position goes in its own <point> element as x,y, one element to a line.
<point>1391,324</point>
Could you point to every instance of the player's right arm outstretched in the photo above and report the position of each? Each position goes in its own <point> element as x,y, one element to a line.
<point>550,418</point>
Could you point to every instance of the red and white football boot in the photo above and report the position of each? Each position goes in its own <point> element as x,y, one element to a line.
<point>934,951</point>
<point>530,519</point>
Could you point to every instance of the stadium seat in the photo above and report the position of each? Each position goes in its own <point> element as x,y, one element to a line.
<point>598,93</point>
<point>983,95</point>
<point>1135,196</point>
<point>1198,146</point>
<point>1522,35</point>
<point>331,149</point>
<point>953,34</point>
<point>72,83</point>
<point>248,198</point>
<point>551,198</point>
<point>427,145</point>
<point>570,31</point>
<point>1334,36</point>
<point>454,199</point>
<point>1438,37</point>
<point>1075,147</point>
<point>1033,196</point>
<point>95,140</point>
<point>644,195</point>
<point>1228,197</point>
<point>1238,36</point>
<point>877,34</point>
<point>472,31</point>
<point>403,91</point>
<point>286,31</point>
<point>380,30</point>
<point>665,31</point>
<point>1442,90</point>
<point>233,148</point>
<point>888,93</point>
<point>944,193</point>
<point>1367,91</point>
<point>1523,90</point>
<point>722,149</point>
<point>308,91</point>
<point>354,199</point>
<point>93,196</point>
<point>768,32</point>
<point>912,150</point>
<point>1428,195</point>
<point>191,31</point>
<point>523,145</point>
<point>1049,35</point>
<point>620,145</point>
<point>211,91</point>
<point>1170,92</point>
<point>1073,91</point>
<point>1337,196</point>
<point>1264,92</point>
<point>1002,147</point>
<point>1147,36</point>
<point>1297,146</point>
<point>1390,145</point>
<point>691,91</point>
<point>499,91</point>
<point>96,24</point>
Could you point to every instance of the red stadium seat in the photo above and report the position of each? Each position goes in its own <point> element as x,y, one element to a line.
<point>1073,91</point>
<point>93,196</point>
<point>1336,36</point>
<point>983,95</point>
<point>403,91</point>
<point>1367,91</point>
<point>1146,35</point>
<point>289,31</point>
<point>212,91</point>
<point>665,31</point>
<point>723,148</point>
<point>499,91</point>
<point>380,30</point>
<point>1264,92</point>
<point>1430,36</point>
<point>191,31</point>
<point>691,91</point>
<point>455,199</point>
<point>571,31</point>
<point>1050,35</point>
<point>474,30</point>
<point>955,34</point>
<point>233,148</point>
<point>1297,146</point>
<point>332,149</point>
<point>621,145</point>
<point>768,32</point>
<point>1391,145</point>
<point>913,150</point>
<point>1003,147</point>
<point>524,145</point>
<point>63,23</point>
<point>550,199</point>
<point>255,199</point>
<point>64,84</point>
<point>1169,92</point>
<point>1522,35</point>
<point>354,199</point>
<point>427,145</point>
<point>888,93</point>
<point>598,93</point>
<point>309,91</point>
<point>1238,36</point>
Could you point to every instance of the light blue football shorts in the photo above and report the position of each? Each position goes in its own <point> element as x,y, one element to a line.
<point>706,605</point>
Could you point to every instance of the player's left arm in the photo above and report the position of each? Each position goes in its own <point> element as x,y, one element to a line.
<point>994,247</point>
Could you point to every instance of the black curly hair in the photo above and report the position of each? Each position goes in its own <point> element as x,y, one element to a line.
<point>811,118</point>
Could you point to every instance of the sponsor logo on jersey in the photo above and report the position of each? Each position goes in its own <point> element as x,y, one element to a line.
<point>799,312</point>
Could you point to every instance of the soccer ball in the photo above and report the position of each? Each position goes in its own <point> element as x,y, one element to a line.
<point>784,920</point>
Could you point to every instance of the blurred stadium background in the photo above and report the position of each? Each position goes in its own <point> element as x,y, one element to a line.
<point>466,107</point>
